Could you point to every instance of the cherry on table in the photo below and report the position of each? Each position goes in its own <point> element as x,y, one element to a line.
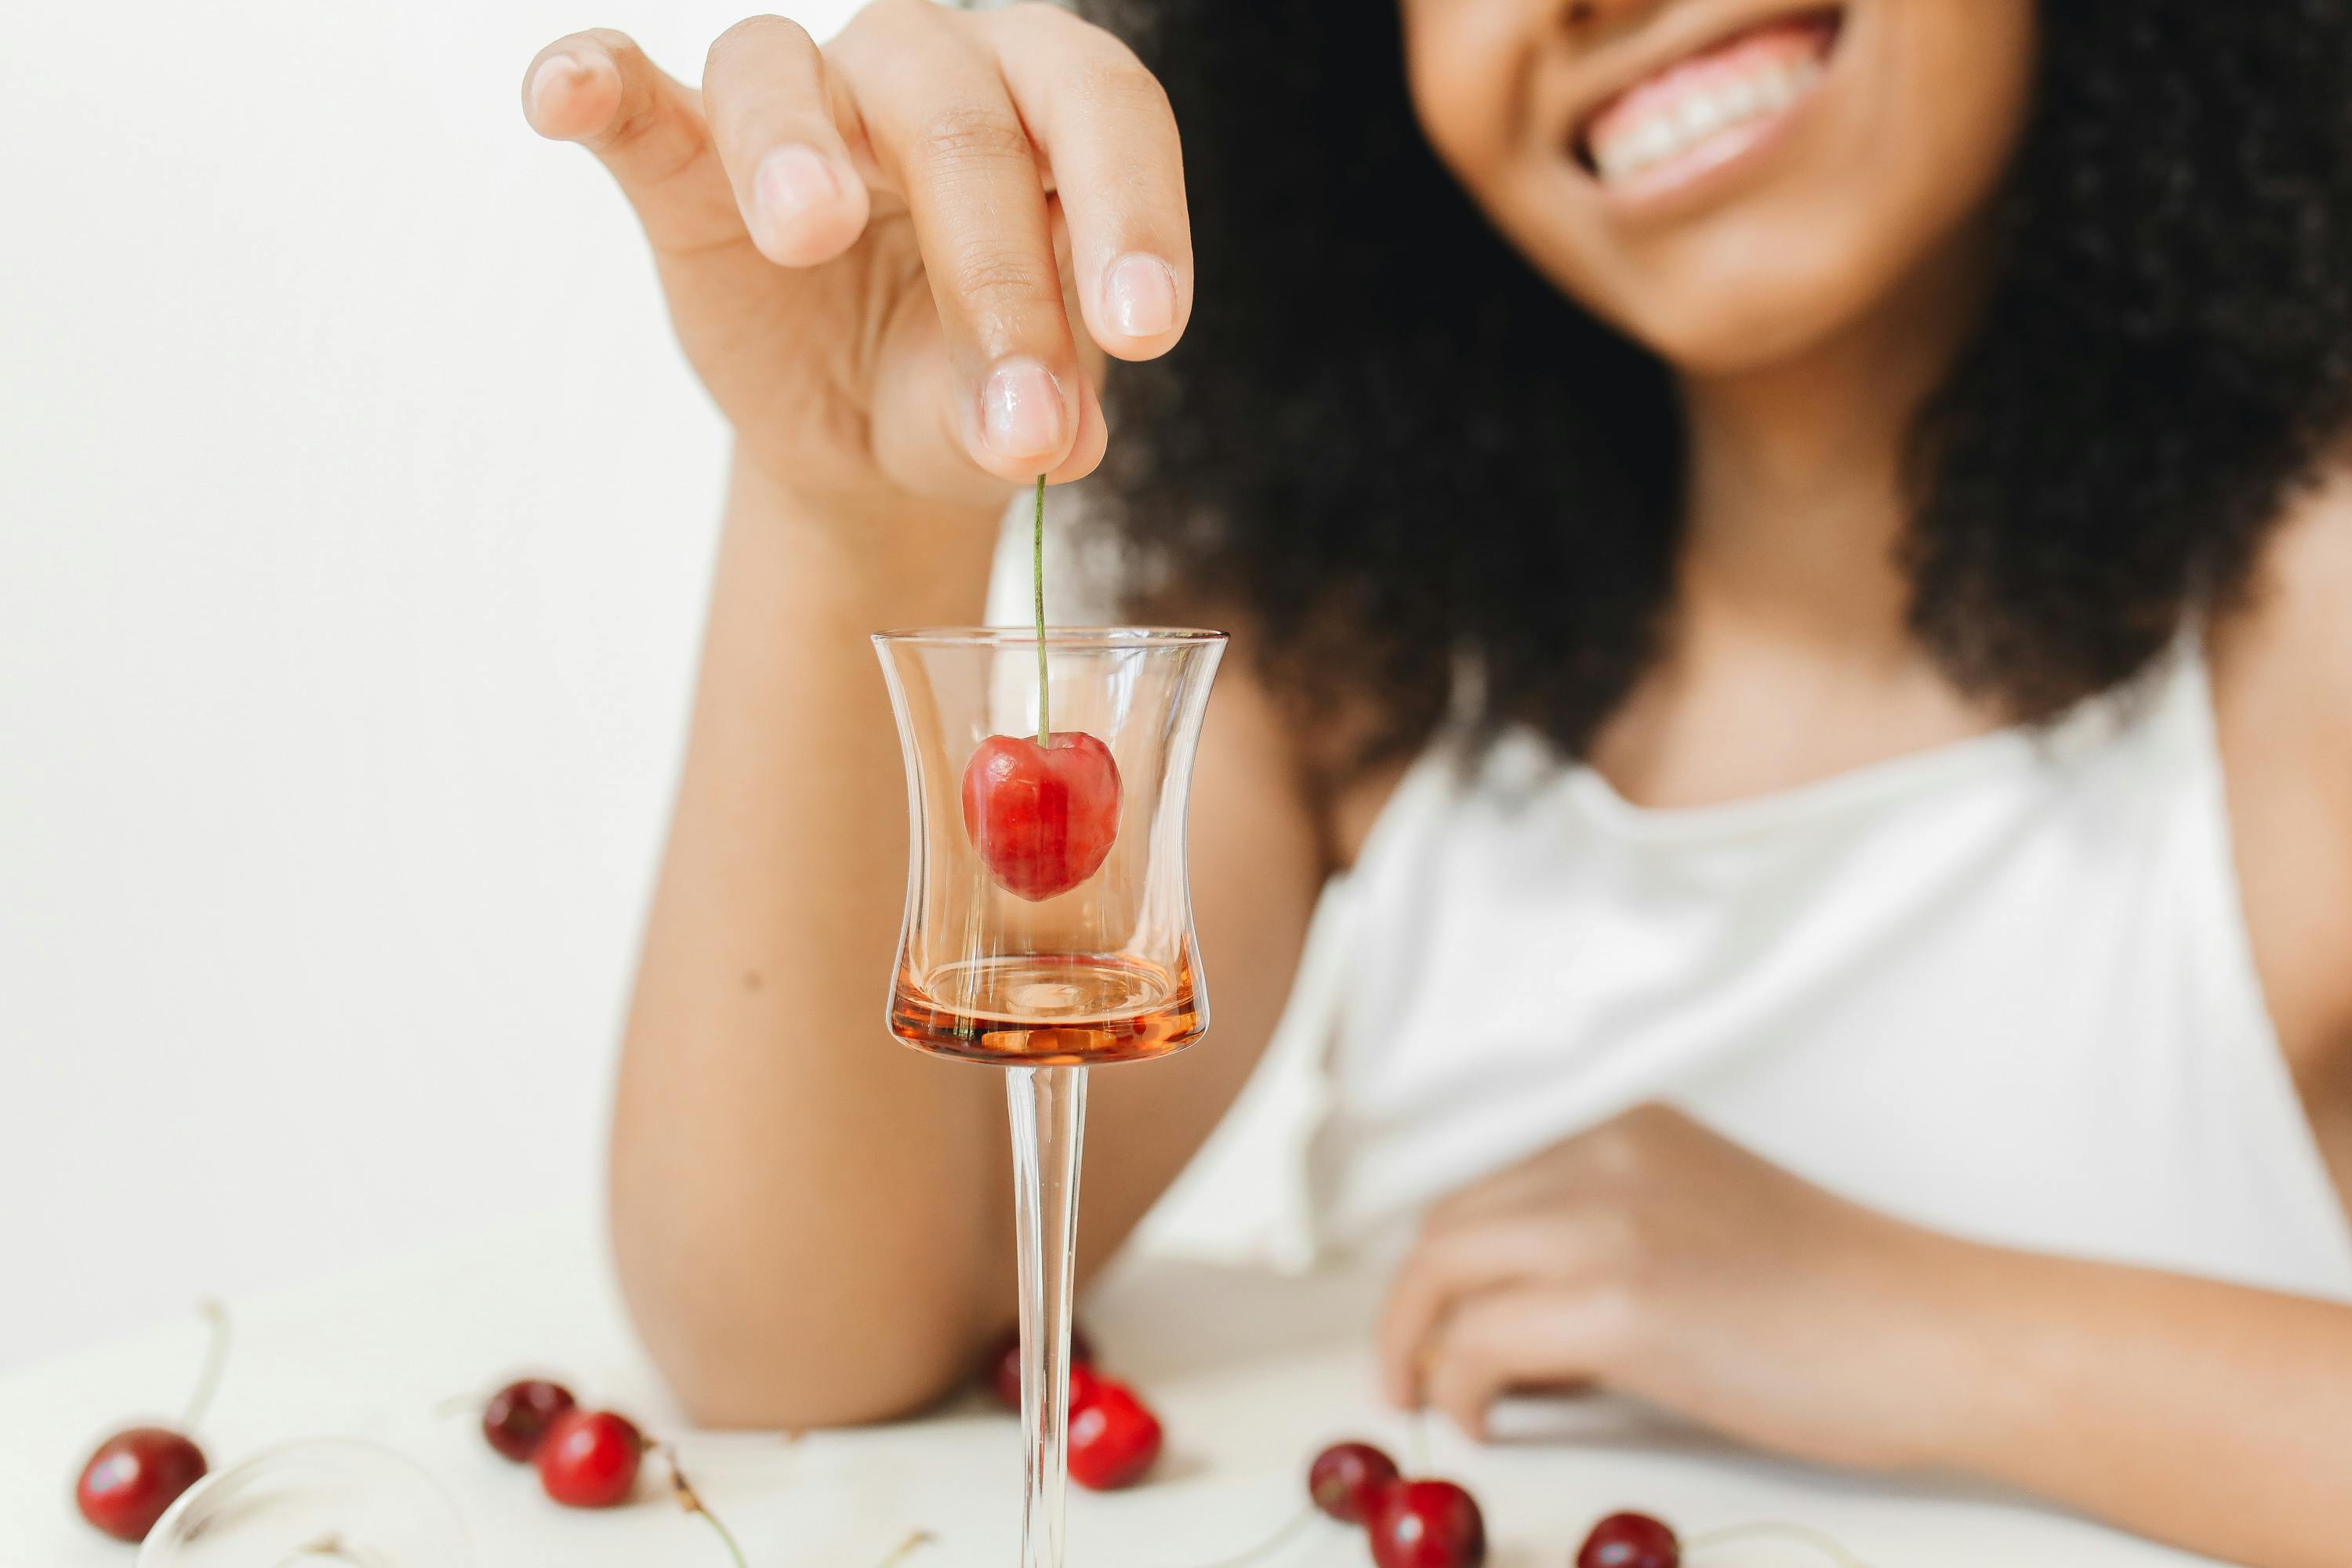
<point>1346,1478</point>
<point>1043,817</point>
<point>133,1477</point>
<point>1113,1436</point>
<point>1426,1525</point>
<point>518,1416</point>
<point>1630,1541</point>
<point>1001,1370</point>
<point>590,1458</point>
<point>139,1472</point>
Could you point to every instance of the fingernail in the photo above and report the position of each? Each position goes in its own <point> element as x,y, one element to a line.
<point>1142,294</point>
<point>565,66</point>
<point>1020,410</point>
<point>792,179</point>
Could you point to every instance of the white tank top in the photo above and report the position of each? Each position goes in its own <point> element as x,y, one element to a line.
<point>2001,988</point>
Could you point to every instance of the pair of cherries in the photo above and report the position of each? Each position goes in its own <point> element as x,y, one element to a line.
<point>1112,1436</point>
<point>1409,1523</point>
<point>586,1458</point>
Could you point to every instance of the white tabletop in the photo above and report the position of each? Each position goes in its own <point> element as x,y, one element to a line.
<point>1250,1371</point>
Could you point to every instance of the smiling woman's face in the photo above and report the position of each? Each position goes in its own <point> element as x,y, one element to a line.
<point>1727,181</point>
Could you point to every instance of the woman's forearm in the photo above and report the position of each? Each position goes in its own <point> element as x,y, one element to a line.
<point>2208,1415</point>
<point>803,1216</point>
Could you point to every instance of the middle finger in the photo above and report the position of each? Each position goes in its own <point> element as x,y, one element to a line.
<point>946,134</point>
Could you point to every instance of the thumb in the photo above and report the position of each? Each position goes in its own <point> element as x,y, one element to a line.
<point>599,89</point>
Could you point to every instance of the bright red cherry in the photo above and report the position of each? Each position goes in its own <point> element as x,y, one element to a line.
<point>1347,1478</point>
<point>1426,1525</point>
<point>1630,1541</point>
<point>1113,1438</point>
<point>1043,817</point>
<point>134,1475</point>
<point>517,1419</point>
<point>1001,1370</point>
<point>590,1458</point>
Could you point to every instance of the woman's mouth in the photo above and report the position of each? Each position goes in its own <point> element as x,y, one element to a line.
<point>1707,108</point>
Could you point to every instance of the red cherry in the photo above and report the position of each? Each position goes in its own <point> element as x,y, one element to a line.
<point>589,1460</point>
<point>1113,1437</point>
<point>133,1477</point>
<point>1001,1370</point>
<point>1043,817</point>
<point>1346,1478</point>
<point>1630,1541</point>
<point>1426,1525</point>
<point>517,1419</point>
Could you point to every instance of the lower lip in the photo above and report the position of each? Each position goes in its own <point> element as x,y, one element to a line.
<point>1714,165</point>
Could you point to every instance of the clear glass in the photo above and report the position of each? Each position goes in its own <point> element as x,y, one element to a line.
<point>999,966</point>
<point>321,1501</point>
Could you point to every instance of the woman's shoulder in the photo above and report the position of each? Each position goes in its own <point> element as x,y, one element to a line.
<point>2283,702</point>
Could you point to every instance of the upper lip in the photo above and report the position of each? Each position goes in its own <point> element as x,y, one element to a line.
<point>1682,33</point>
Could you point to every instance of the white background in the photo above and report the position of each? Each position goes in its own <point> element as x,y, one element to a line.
<point>354,514</point>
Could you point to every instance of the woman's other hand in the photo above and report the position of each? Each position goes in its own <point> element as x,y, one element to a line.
<point>1656,1257</point>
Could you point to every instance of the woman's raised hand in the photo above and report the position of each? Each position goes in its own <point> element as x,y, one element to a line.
<point>891,257</point>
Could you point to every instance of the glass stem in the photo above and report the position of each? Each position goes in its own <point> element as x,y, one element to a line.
<point>1048,1109</point>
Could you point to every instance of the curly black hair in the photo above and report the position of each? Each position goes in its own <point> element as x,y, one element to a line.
<point>2167,354</point>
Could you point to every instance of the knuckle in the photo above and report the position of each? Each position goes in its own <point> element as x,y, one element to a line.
<point>1001,281</point>
<point>968,136</point>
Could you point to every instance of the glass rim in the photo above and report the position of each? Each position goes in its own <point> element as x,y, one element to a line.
<point>1055,636</point>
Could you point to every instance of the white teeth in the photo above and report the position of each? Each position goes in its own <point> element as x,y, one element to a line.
<point>1675,128</point>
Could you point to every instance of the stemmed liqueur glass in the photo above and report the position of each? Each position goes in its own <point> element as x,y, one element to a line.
<point>1022,950</point>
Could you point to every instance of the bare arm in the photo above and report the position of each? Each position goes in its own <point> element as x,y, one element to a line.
<point>813,1225</point>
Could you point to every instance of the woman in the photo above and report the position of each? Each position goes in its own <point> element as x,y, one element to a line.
<point>1871,463</point>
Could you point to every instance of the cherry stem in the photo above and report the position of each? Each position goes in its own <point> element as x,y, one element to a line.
<point>1037,586</point>
<point>691,1501</point>
<point>1773,1529</point>
<point>1416,1440</point>
<point>1290,1527</point>
<point>900,1553</point>
<point>215,1361</point>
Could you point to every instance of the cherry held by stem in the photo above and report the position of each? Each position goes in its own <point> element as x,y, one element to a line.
<point>1426,1525</point>
<point>1042,816</point>
<point>590,1458</point>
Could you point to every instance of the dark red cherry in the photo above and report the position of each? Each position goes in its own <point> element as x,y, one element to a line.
<point>133,1477</point>
<point>1426,1525</point>
<point>1630,1541</point>
<point>1346,1478</point>
<point>590,1458</point>
<point>517,1419</point>
<point>1113,1436</point>
<point>1043,817</point>
<point>1001,1370</point>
